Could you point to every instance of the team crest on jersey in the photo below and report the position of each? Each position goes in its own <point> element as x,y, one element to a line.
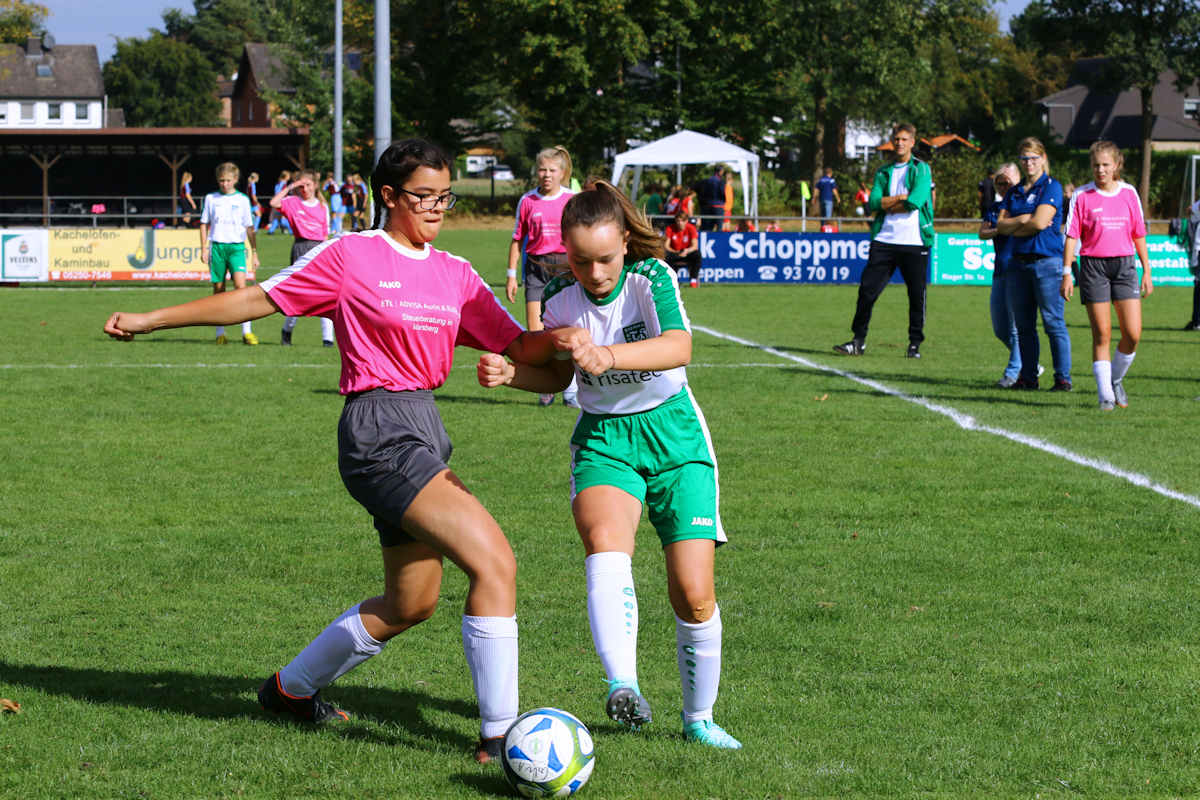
<point>635,332</point>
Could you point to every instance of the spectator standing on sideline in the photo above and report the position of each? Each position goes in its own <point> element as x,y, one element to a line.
<point>255,203</point>
<point>1105,222</point>
<point>308,216</point>
<point>827,191</point>
<point>275,219</point>
<point>1032,215</point>
<point>360,202</point>
<point>187,203</point>
<point>1002,319</point>
<point>711,192</point>
<point>1193,245</point>
<point>901,238</point>
<point>654,203</point>
<point>727,223</point>
<point>347,193</point>
<point>987,192</point>
<point>683,247</point>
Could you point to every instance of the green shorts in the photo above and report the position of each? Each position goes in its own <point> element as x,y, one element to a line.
<point>663,457</point>
<point>226,257</point>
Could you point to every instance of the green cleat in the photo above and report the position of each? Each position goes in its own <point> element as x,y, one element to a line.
<point>710,733</point>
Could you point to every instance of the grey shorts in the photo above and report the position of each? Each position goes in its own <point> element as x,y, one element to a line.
<point>390,446</point>
<point>539,270</point>
<point>1102,280</point>
<point>302,246</point>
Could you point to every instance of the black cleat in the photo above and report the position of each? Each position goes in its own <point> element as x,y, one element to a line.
<point>851,348</point>
<point>489,750</point>
<point>285,338</point>
<point>914,351</point>
<point>312,709</point>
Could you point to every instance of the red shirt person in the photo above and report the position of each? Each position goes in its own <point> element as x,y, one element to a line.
<point>683,246</point>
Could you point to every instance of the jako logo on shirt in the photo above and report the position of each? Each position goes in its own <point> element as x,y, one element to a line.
<point>635,332</point>
<point>707,521</point>
<point>391,285</point>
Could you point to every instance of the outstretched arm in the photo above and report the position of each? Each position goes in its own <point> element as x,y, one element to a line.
<point>227,308</point>
<point>494,370</point>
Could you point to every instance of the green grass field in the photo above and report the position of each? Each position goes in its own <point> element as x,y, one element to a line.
<point>912,608</point>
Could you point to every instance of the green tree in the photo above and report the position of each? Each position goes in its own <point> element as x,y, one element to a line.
<point>219,29</point>
<point>161,83</point>
<point>1140,40</point>
<point>19,20</point>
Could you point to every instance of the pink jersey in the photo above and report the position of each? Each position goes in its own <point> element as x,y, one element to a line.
<point>398,313</point>
<point>1106,224</point>
<point>539,222</point>
<point>308,222</point>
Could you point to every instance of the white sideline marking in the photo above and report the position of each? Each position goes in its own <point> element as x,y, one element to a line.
<point>967,422</point>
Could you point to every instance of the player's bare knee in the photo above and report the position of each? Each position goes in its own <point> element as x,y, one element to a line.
<point>697,611</point>
<point>400,615</point>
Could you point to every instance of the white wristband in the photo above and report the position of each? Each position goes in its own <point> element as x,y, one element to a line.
<point>512,273</point>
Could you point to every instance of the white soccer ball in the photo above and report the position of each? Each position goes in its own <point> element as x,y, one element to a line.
<point>548,753</point>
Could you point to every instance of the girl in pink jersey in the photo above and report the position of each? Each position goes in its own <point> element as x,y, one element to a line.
<point>399,307</point>
<point>1105,223</point>
<point>539,233</point>
<point>304,208</point>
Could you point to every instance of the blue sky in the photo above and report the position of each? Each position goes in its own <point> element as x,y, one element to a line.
<point>100,23</point>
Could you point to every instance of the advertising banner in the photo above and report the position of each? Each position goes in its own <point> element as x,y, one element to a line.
<point>23,254</point>
<point>116,254</point>
<point>760,257</point>
<point>965,260</point>
<point>962,259</point>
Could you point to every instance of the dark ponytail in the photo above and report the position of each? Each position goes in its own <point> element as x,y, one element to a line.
<point>398,162</point>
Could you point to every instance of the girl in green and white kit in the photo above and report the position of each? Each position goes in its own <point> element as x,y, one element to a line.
<point>641,439</point>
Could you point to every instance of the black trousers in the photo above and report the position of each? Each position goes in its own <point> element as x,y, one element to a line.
<point>691,261</point>
<point>1196,302</point>
<point>883,260</point>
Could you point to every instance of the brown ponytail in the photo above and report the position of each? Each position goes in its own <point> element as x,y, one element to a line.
<point>607,203</point>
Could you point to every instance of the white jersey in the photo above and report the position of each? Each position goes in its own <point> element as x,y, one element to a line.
<point>644,304</point>
<point>227,215</point>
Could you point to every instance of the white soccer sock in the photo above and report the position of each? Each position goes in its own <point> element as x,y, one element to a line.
<point>1120,364</point>
<point>490,644</point>
<point>613,613</point>
<point>326,330</point>
<point>698,648</point>
<point>341,647</point>
<point>246,328</point>
<point>1103,372</point>
<point>220,330</point>
<point>289,323</point>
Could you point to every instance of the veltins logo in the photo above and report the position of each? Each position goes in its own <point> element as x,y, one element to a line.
<point>143,257</point>
<point>16,260</point>
<point>635,332</point>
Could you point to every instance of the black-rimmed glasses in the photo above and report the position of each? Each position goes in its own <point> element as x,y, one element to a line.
<point>428,202</point>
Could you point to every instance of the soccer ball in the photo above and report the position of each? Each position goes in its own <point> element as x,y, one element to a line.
<point>548,753</point>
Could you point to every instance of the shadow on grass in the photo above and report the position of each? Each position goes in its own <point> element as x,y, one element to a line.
<point>227,697</point>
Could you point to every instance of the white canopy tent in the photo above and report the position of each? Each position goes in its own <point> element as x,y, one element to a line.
<point>689,147</point>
